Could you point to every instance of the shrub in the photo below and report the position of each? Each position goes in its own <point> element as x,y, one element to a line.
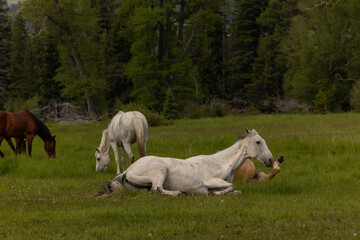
<point>171,108</point>
<point>355,97</point>
<point>320,103</point>
<point>214,108</point>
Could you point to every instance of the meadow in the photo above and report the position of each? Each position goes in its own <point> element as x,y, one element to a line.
<point>315,196</point>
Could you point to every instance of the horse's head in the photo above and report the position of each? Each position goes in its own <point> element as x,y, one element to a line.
<point>258,149</point>
<point>50,146</point>
<point>102,160</point>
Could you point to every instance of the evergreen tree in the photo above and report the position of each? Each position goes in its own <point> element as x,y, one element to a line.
<point>115,51</point>
<point>206,50</point>
<point>50,89</point>
<point>5,32</point>
<point>244,39</point>
<point>16,71</point>
<point>171,108</point>
<point>267,70</point>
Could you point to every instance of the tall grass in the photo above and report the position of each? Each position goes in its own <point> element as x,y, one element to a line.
<point>315,195</point>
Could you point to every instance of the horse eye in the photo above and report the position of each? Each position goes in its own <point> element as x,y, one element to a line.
<point>98,159</point>
<point>258,142</point>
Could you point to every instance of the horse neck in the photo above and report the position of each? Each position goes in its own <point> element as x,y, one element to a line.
<point>232,157</point>
<point>105,142</point>
<point>43,131</point>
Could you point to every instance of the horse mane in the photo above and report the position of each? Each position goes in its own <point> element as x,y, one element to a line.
<point>43,131</point>
<point>239,138</point>
<point>104,144</point>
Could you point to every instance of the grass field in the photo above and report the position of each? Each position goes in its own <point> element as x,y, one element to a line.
<point>315,196</point>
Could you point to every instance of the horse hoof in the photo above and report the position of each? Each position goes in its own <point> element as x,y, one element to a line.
<point>281,159</point>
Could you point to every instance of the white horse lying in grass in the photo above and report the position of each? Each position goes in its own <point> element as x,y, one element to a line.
<point>124,129</point>
<point>208,174</point>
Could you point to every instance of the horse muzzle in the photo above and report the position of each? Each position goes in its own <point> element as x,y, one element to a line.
<point>269,162</point>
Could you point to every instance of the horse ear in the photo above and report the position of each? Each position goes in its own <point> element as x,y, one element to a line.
<point>54,137</point>
<point>247,131</point>
<point>97,149</point>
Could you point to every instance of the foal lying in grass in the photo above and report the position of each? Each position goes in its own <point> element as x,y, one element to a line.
<point>247,172</point>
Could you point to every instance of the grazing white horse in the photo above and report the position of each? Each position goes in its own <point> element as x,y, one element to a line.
<point>207,174</point>
<point>124,129</point>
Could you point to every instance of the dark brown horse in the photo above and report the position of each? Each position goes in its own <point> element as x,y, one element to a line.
<point>25,125</point>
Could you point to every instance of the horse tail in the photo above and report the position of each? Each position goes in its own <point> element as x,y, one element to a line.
<point>111,188</point>
<point>140,139</point>
<point>120,178</point>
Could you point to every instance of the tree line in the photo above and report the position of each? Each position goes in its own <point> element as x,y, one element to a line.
<point>171,54</point>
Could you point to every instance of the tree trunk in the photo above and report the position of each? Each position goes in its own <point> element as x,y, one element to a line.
<point>74,57</point>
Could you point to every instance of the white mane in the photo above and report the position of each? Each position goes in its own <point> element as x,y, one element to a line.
<point>105,143</point>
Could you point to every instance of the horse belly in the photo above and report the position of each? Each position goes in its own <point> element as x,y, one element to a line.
<point>15,127</point>
<point>186,181</point>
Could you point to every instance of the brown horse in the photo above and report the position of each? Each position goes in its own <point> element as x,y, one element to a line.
<point>247,172</point>
<point>25,125</point>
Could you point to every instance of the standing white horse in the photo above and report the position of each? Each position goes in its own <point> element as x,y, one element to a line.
<point>207,174</point>
<point>124,129</point>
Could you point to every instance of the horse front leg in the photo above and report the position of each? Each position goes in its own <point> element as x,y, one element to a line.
<point>262,177</point>
<point>218,183</point>
<point>115,148</point>
<point>30,140</point>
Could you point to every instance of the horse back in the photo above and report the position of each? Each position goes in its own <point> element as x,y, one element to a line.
<point>17,124</point>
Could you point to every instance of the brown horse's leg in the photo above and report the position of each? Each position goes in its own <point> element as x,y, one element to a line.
<point>30,139</point>
<point>8,139</point>
<point>20,145</point>
<point>1,154</point>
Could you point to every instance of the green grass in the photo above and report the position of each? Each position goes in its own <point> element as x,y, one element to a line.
<point>315,196</point>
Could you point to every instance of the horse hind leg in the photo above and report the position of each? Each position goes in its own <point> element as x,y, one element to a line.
<point>154,179</point>
<point>127,147</point>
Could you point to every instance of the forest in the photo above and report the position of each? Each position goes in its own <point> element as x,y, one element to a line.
<point>175,56</point>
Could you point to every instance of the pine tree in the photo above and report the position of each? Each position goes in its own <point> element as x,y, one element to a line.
<point>50,89</point>
<point>171,108</point>
<point>269,65</point>
<point>5,31</point>
<point>16,72</point>
<point>245,33</point>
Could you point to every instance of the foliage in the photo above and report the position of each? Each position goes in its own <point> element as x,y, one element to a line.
<point>355,97</point>
<point>153,118</point>
<point>246,32</point>
<point>50,89</point>
<point>320,103</point>
<point>320,50</point>
<point>93,53</point>
<point>5,32</point>
<point>214,108</point>
<point>171,108</point>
